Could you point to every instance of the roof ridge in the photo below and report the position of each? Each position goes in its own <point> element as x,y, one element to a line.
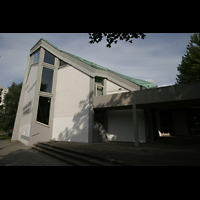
<point>139,82</point>
<point>82,59</point>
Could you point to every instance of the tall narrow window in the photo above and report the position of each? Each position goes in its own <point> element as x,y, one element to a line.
<point>43,112</point>
<point>98,86</point>
<point>36,57</point>
<point>47,80</point>
<point>49,58</point>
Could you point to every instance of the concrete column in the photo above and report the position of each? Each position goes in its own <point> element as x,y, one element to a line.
<point>91,111</point>
<point>135,125</point>
<point>150,126</point>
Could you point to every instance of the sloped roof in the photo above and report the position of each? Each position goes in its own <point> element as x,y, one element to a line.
<point>139,82</point>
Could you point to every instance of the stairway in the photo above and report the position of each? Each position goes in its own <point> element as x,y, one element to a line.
<point>73,158</point>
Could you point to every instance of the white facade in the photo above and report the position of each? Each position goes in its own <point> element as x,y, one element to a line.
<point>71,111</point>
<point>121,128</point>
<point>112,88</point>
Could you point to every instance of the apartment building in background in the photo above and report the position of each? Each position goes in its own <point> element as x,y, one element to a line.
<point>3,93</point>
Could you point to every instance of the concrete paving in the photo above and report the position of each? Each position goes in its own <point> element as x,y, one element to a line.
<point>18,154</point>
<point>165,151</point>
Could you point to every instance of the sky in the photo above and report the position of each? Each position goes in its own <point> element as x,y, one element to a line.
<point>154,58</point>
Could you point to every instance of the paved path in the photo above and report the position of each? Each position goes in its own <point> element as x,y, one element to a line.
<point>170,151</point>
<point>18,154</point>
<point>165,151</point>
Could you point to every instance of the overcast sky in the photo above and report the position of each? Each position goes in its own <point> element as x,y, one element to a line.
<point>153,59</point>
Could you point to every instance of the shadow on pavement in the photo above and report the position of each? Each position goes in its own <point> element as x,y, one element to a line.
<point>3,138</point>
<point>172,151</point>
<point>17,154</point>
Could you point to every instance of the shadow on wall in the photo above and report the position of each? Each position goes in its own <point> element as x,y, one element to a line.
<point>102,132</point>
<point>174,93</point>
<point>113,100</point>
<point>77,127</point>
<point>99,133</point>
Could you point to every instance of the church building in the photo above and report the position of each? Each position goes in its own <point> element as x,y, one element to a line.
<point>56,101</point>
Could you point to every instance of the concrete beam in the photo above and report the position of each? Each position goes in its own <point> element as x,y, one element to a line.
<point>176,93</point>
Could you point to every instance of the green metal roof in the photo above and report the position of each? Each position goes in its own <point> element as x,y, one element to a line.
<point>144,84</point>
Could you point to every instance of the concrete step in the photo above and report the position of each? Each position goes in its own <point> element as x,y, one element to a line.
<point>70,157</point>
<point>56,155</point>
<point>102,160</point>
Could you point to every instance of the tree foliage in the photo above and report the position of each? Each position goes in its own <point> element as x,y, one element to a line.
<point>189,69</point>
<point>113,37</point>
<point>9,110</point>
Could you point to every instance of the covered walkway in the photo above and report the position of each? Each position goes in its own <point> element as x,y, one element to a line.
<point>178,100</point>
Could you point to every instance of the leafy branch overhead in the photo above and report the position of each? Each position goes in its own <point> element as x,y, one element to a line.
<point>113,37</point>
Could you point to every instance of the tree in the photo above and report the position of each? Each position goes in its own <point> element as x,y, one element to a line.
<point>113,37</point>
<point>11,100</point>
<point>189,69</point>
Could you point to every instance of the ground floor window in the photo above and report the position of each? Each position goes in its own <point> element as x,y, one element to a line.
<point>43,112</point>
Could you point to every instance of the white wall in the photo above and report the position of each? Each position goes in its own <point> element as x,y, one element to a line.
<point>25,122</point>
<point>112,88</point>
<point>120,125</point>
<point>71,111</point>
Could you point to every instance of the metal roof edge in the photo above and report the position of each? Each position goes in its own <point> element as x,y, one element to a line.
<point>36,43</point>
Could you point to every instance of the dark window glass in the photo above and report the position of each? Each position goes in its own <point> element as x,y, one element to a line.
<point>36,57</point>
<point>47,79</point>
<point>99,80</point>
<point>49,58</point>
<point>62,63</point>
<point>43,112</point>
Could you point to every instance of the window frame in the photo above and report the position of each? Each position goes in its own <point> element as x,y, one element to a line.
<point>97,84</point>
<point>47,125</point>
<point>41,80</point>
<point>62,61</point>
<point>51,54</point>
<point>32,59</point>
<point>95,92</point>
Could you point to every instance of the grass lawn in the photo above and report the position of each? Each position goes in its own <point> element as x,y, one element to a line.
<point>5,137</point>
